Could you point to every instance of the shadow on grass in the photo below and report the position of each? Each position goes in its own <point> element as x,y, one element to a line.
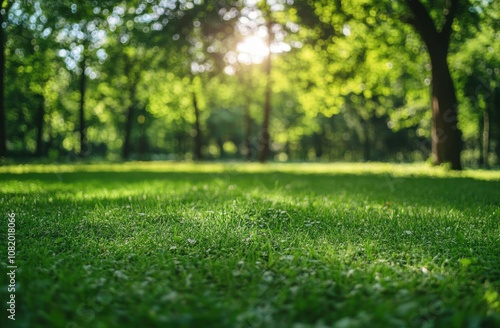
<point>375,223</point>
<point>453,192</point>
<point>348,202</point>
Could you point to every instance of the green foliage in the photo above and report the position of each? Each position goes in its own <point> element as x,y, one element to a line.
<point>346,76</point>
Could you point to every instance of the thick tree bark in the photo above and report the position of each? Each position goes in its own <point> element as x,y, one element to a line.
<point>446,137</point>
<point>83,140</point>
<point>197,127</point>
<point>39,126</point>
<point>264,137</point>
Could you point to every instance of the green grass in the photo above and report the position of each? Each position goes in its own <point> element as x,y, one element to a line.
<point>245,245</point>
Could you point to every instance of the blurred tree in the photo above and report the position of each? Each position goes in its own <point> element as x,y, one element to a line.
<point>264,27</point>
<point>446,136</point>
<point>476,70</point>
<point>246,80</point>
<point>434,22</point>
<point>187,79</point>
<point>4,12</point>
<point>29,71</point>
<point>81,30</point>
<point>264,137</point>
<point>350,68</point>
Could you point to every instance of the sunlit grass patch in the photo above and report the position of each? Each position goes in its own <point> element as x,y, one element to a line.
<point>228,245</point>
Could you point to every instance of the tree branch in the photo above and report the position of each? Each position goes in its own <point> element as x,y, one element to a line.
<point>422,22</point>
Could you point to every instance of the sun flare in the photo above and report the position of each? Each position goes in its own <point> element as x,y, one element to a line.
<point>252,49</point>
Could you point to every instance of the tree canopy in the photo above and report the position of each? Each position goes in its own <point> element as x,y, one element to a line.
<point>269,80</point>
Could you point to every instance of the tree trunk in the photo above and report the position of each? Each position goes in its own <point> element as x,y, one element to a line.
<point>446,137</point>
<point>130,110</point>
<point>197,127</point>
<point>3,125</point>
<point>143,139</point>
<point>366,141</point>
<point>495,121</point>
<point>248,133</point>
<point>132,71</point>
<point>248,117</point>
<point>288,150</point>
<point>480,139</point>
<point>39,126</point>
<point>317,139</point>
<point>178,145</point>
<point>128,132</point>
<point>264,138</point>
<point>246,82</point>
<point>485,136</point>
<point>83,140</point>
<point>220,144</point>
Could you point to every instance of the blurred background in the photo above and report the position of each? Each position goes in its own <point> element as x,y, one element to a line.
<point>271,80</point>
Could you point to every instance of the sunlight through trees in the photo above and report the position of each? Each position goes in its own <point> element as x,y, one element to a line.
<point>285,80</point>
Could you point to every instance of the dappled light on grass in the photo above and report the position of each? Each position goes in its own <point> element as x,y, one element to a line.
<point>417,169</point>
<point>169,244</point>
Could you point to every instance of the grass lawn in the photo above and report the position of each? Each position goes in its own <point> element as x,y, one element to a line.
<point>245,245</point>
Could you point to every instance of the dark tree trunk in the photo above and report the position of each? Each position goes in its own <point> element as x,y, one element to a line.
<point>446,137</point>
<point>246,82</point>
<point>317,139</point>
<point>83,140</point>
<point>22,118</point>
<point>128,132</point>
<point>288,150</point>
<point>248,118</point>
<point>366,138</point>
<point>39,126</point>
<point>130,110</point>
<point>197,127</point>
<point>366,141</point>
<point>143,142</point>
<point>248,132</point>
<point>220,144</point>
<point>264,137</point>
<point>486,137</point>
<point>178,146</point>
<point>495,122</point>
<point>133,74</point>
<point>480,159</point>
<point>3,125</point>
